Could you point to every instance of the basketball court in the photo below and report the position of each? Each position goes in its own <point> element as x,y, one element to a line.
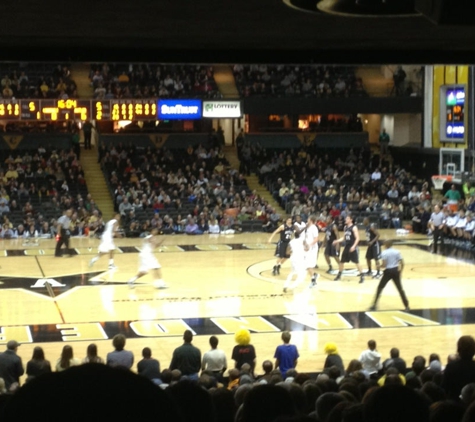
<point>221,283</point>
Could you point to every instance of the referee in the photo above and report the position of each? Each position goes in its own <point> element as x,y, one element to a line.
<point>436,224</point>
<point>64,233</point>
<point>393,265</point>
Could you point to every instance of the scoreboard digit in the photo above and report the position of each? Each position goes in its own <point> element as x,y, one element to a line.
<point>9,109</point>
<point>101,110</point>
<point>30,110</point>
<point>73,109</point>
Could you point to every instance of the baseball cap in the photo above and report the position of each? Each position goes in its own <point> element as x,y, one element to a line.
<point>12,344</point>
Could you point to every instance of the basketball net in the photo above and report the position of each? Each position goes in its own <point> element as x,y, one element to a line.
<point>438,182</point>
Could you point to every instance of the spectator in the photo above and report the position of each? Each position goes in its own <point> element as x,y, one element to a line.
<point>67,359</point>
<point>286,355</point>
<point>38,365</point>
<point>395,361</point>
<point>149,367</point>
<point>101,392</point>
<point>265,403</point>
<point>120,358</point>
<point>384,140</point>
<point>461,372</point>
<point>386,403</point>
<point>376,175</point>
<point>214,226</point>
<point>191,226</point>
<point>214,360</point>
<point>11,366</point>
<point>91,355</point>
<point>125,207</point>
<point>333,358</point>
<point>187,358</point>
<point>418,365</point>
<point>371,359</point>
<point>268,368</point>
<point>244,352</point>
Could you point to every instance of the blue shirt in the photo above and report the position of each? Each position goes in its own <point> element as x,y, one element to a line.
<point>286,354</point>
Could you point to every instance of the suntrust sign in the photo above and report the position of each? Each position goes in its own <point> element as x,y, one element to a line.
<point>179,109</point>
<point>222,109</point>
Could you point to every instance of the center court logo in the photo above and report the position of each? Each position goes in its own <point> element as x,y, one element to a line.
<point>41,283</point>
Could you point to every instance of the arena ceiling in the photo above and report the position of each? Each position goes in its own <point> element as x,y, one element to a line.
<point>217,31</point>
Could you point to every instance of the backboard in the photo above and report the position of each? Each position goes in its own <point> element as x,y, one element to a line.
<point>452,162</point>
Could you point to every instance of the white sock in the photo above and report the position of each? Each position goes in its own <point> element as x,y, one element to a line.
<point>133,279</point>
<point>111,262</point>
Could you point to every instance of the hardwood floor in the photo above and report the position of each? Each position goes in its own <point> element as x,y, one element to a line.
<point>218,284</point>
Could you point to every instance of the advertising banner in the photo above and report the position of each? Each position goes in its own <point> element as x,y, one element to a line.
<point>179,109</point>
<point>222,109</point>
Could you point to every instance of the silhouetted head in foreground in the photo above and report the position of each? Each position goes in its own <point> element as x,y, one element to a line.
<point>90,392</point>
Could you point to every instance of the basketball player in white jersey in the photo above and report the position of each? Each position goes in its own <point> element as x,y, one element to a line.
<point>107,242</point>
<point>310,235</point>
<point>148,262</point>
<point>297,262</point>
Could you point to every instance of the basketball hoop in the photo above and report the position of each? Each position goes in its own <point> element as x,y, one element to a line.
<point>439,181</point>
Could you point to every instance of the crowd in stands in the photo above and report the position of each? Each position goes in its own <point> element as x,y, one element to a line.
<point>368,388</point>
<point>309,181</point>
<point>197,192</point>
<point>457,226</point>
<point>192,191</point>
<point>298,80</point>
<point>36,80</point>
<point>337,182</point>
<point>36,186</point>
<point>152,80</point>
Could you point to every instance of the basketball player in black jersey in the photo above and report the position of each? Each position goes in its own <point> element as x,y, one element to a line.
<point>351,238</point>
<point>331,250</point>
<point>286,231</point>
<point>374,248</point>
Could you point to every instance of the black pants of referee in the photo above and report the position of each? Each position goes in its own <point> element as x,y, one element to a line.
<point>437,234</point>
<point>394,275</point>
<point>63,240</point>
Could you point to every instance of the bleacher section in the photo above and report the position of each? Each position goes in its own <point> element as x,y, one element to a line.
<point>152,80</point>
<point>347,182</point>
<point>181,177</point>
<point>36,80</point>
<point>34,191</point>
<point>297,80</point>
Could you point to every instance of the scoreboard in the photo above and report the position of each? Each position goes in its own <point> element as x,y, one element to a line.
<point>133,109</point>
<point>116,109</point>
<point>71,109</point>
<point>452,113</point>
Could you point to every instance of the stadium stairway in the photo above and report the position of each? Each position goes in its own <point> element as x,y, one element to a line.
<point>252,180</point>
<point>375,84</point>
<point>96,183</point>
<point>224,78</point>
<point>80,72</point>
<point>253,183</point>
